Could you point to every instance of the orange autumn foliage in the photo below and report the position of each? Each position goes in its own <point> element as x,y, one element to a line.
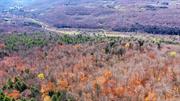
<point>83,77</point>
<point>15,62</point>
<point>111,83</point>
<point>152,55</point>
<point>14,94</point>
<point>107,74</point>
<point>168,95</point>
<point>77,46</point>
<point>107,90</point>
<point>47,98</point>
<point>113,78</point>
<point>119,91</point>
<point>45,88</point>
<point>151,96</point>
<point>63,84</point>
<point>20,66</point>
<point>127,45</point>
<point>108,87</point>
<point>2,74</point>
<point>136,80</point>
<point>101,80</point>
<point>176,88</point>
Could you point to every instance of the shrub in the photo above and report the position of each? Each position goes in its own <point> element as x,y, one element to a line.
<point>74,39</point>
<point>4,97</point>
<point>16,84</point>
<point>109,47</point>
<point>119,51</point>
<point>61,96</point>
<point>20,86</point>
<point>114,48</point>
<point>3,53</point>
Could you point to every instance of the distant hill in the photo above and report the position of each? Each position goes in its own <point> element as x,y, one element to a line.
<point>152,16</point>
